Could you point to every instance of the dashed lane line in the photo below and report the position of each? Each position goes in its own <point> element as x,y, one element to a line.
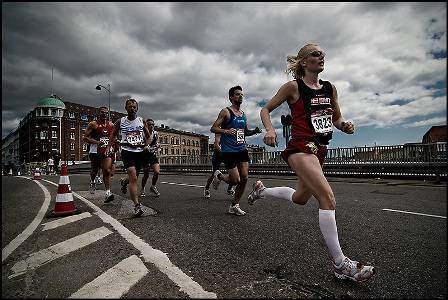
<point>49,254</point>
<point>115,282</point>
<point>414,213</point>
<point>64,221</point>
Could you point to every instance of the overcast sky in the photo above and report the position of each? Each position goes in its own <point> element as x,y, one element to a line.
<point>387,61</point>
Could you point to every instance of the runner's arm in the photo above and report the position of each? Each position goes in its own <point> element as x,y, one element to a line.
<point>338,121</point>
<point>216,127</point>
<point>87,135</point>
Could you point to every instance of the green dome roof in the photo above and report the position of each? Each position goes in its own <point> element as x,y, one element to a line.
<point>50,102</point>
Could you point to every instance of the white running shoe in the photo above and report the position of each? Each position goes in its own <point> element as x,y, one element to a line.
<point>154,189</point>
<point>216,181</point>
<point>92,187</point>
<point>353,270</point>
<point>109,197</point>
<point>236,210</point>
<point>206,193</point>
<point>98,180</point>
<point>138,211</point>
<point>255,194</point>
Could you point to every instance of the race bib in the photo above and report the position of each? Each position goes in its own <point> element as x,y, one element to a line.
<point>240,138</point>
<point>105,141</point>
<point>322,123</point>
<point>134,138</point>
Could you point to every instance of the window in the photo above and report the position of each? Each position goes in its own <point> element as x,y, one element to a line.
<point>71,115</point>
<point>172,151</point>
<point>177,142</point>
<point>197,144</point>
<point>84,117</point>
<point>43,135</point>
<point>183,152</point>
<point>72,146</point>
<point>188,142</point>
<point>38,112</point>
<point>45,111</point>
<point>183,141</point>
<point>166,151</point>
<point>54,124</point>
<point>166,140</point>
<point>177,151</point>
<point>72,124</point>
<point>72,135</point>
<point>54,145</point>
<point>83,126</point>
<point>188,152</point>
<point>53,112</point>
<point>172,141</point>
<point>36,136</point>
<point>84,147</point>
<point>54,134</point>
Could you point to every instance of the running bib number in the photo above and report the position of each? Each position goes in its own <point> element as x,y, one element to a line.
<point>322,124</point>
<point>134,138</point>
<point>240,136</point>
<point>105,141</point>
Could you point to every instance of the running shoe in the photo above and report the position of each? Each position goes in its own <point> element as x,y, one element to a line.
<point>254,195</point>
<point>98,180</point>
<point>138,210</point>
<point>124,185</point>
<point>236,210</point>
<point>109,197</point>
<point>231,191</point>
<point>92,187</point>
<point>143,194</point>
<point>216,181</point>
<point>154,189</point>
<point>206,193</point>
<point>353,270</point>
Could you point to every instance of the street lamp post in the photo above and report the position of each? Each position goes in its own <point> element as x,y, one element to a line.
<point>98,87</point>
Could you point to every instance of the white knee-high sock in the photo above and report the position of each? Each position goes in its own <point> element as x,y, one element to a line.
<point>282,192</point>
<point>327,224</point>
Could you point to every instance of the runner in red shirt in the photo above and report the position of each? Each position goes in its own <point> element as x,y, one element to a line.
<point>314,110</point>
<point>97,134</point>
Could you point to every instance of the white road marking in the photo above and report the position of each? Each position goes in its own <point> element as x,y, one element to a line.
<point>182,184</point>
<point>64,221</point>
<point>155,256</point>
<point>32,227</point>
<point>116,281</point>
<point>414,213</point>
<point>44,256</point>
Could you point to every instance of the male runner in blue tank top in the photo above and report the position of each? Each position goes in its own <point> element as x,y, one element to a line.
<point>232,125</point>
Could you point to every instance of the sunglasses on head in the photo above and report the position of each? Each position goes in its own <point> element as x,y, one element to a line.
<point>317,53</point>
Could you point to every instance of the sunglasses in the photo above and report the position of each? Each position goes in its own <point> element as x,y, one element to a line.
<point>317,53</point>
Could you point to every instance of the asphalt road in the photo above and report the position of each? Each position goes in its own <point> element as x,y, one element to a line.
<point>275,251</point>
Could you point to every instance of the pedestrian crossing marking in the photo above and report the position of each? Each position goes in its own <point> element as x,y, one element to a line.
<point>47,255</point>
<point>64,221</point>
<point>116,281</point>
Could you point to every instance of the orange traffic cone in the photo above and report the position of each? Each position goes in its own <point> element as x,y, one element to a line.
<point>64,199</point>
<point>37,174</point>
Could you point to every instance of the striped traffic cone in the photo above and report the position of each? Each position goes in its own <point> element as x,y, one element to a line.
<point>64,199</point>
<point>37,175</point>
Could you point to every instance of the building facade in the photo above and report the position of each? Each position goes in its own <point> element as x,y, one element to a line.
<point>58,126</point>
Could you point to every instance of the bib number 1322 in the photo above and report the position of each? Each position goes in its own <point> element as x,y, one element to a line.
<point>322,124</point>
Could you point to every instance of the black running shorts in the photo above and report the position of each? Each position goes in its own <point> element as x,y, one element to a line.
<point>232,159</point>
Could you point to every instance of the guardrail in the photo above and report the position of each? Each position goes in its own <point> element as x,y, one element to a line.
<point>418,161</point>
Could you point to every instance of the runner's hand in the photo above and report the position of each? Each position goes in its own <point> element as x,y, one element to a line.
<point>270,138</point>
<point>257,130</point>
<point>348,127</point>
<point>231,131</point>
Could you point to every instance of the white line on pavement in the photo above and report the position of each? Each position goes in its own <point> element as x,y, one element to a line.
<point>64,221</point>
<point>115,282</point>
<point>34,224</point>
<point>44,256</point>
<point>414,213</point>
<point>155,256</point>
<point>182,184</point>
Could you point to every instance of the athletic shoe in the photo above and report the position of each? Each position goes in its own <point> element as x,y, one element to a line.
<point>353,270</point>
<point>98,180</point>
<point>231,191</point>
<point>235,209</point>
<point>216,181</point>
<point>109,197</point>
<point>138,210</point>
<point>206,193</point>
<point>143,194</point>
<point>154,189</point>
<point>254,195</point>
<point>124,185</point>
<point>92,187</point>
